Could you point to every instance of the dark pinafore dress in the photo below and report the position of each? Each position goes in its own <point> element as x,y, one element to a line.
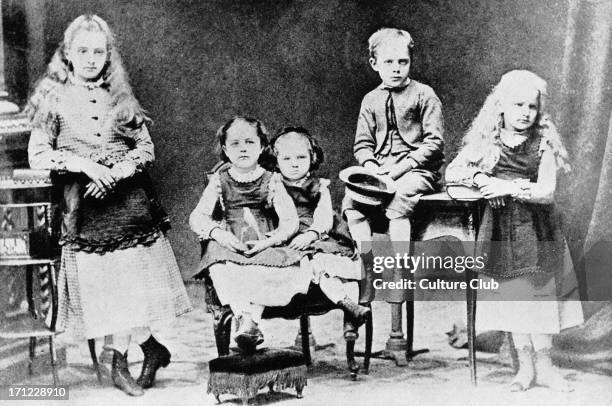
<point>335,251</point>
<point>306,198</point>
<point>526,254</point>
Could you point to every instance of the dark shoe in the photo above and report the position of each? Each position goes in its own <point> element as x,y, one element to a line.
<point>357,312</point>
<point>351,332</point>
<point>155,356</point>
<point>121,375</point>
<point>248,334</point>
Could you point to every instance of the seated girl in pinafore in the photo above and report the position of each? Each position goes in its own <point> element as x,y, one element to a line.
<point>247,268</point>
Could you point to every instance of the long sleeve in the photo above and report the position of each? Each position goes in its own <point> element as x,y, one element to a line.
<point>143,152</point>
<point>432,121</point>
<point>200,220</point>
<point>288,220</point>
<point>365,142</point>
<point>323,216</point>
<point>43,155</point>
<point>461,169</point>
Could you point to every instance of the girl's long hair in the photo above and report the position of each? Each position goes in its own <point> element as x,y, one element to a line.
<point>481,145</point>
<point>128,112</point>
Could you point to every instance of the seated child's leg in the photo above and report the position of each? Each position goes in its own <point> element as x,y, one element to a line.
<point>360,229</point>
<point>256,311</point>
<point>336,290</point>
<point>409,188</point>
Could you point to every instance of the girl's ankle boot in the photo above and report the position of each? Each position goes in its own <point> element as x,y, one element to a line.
<point>121,377</point>
<point>156,355</point>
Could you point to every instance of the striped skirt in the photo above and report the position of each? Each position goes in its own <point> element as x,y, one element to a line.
<point>114,292</point>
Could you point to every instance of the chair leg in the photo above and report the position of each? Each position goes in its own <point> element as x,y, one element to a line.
<point>368,345</point>
<point>53,355</point>
<point>305,340</point>
<point>350,359</point>
<point>222,326</point>
<point>32,354</point>
<point>94,357</point>
<point>409,329</point>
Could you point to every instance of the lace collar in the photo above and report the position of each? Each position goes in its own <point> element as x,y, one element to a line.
<point>246,177</point>
<point>297,183</point>
<point>513,139</point>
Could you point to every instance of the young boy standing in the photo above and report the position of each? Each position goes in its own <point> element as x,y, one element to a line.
<point>399,134</point>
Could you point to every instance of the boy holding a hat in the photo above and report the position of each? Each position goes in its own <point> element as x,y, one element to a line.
<point>398,143</point>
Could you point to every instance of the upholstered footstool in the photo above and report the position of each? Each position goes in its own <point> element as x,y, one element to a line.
<point>245,374</point>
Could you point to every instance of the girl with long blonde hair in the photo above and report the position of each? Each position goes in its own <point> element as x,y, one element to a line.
<point>118,274</point>
<point>513,154</point>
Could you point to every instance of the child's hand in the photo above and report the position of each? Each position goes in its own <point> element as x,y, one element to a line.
<point>303,241</point>
<point>497,202</point>
<point>93,190</point>
<point>99,174</point>
<point>372,166</point>
<point>255,246</point>
<point>496,188</point>
<point>228,240</point>
<point>382,170</point>
<point>123,170</point>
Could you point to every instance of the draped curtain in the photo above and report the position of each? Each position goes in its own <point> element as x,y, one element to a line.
<point>585,124</point>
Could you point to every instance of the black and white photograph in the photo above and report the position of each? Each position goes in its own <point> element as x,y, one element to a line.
<point>306,202</point>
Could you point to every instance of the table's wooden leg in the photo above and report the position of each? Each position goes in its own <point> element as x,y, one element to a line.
<point>471,325</point>
<point>395,348</point>
<point>397,344</point>
<point>410,351</point>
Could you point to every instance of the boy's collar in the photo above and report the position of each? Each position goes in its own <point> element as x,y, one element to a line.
<point>382,86</point>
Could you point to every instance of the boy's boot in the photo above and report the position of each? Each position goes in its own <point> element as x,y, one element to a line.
<point>351,332</point>
<point>357,312</point>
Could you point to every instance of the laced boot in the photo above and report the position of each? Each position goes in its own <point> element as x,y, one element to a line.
<point>525,376</point>
<point>358,312</point>
<point>248,334</point>
<point>156,355</point>
<point>548,374</point>
<point>121,377</point>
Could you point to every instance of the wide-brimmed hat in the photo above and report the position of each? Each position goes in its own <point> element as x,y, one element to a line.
<point>367,187</point>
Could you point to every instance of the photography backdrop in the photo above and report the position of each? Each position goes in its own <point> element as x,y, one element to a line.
<point>194,64</point>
